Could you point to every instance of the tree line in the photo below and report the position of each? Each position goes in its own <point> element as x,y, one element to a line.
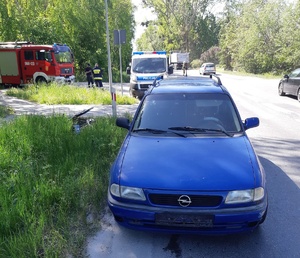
<point>257,36</point>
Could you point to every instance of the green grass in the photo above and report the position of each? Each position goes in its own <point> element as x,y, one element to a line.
<point>67,94</point>
<point>51,180</point>
<point>5,111</point>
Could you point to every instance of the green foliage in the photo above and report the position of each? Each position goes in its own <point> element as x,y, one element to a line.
<point>195,64</point>
<point>211,55</point>
<point>5,111</point>
<point>51,179</point>
<point>259,37</point>
<point>67,94</point>
<point>185,25</point>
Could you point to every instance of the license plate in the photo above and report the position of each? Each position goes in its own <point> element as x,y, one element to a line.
<point>184,220</point>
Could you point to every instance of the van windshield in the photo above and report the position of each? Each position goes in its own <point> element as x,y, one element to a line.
<point>149,65</point>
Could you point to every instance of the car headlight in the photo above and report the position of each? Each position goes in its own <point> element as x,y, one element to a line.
<point>133,78</point>
<point>242,196</point>
<point>127,192</point>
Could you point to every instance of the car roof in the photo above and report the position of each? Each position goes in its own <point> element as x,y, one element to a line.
<point>192,84</point>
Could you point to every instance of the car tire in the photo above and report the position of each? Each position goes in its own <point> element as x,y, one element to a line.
<point>298,95</point>
<point>280,90</point>
<point>40,80</point>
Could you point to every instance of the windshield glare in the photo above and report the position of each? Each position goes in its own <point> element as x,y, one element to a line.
<point>149,65</point>
<point>63,57</point>
<point>206,111</point>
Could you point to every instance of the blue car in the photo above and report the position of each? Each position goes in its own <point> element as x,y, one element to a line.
<point>186,164</point>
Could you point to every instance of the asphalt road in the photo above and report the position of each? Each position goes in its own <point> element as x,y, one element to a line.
<point>277,142</point>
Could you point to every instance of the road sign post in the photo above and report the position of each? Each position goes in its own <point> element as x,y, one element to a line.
<point>119,39</point>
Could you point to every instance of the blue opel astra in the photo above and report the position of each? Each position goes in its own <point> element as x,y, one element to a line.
<point>186,164</point>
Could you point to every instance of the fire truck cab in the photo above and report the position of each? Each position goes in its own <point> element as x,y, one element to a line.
<point>24,63</point>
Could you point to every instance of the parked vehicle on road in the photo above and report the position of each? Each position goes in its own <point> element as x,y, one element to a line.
<point>177,59</point>
<point>207,68</point>
<point>290,84</point>
<point>187,164</point>
<point>144,68</point>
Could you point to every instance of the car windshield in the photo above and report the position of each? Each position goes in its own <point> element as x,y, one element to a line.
<point>149,65</point>
<point>191,113</point>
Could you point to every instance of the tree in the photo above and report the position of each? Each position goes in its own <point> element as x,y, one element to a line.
<point>185,25</point>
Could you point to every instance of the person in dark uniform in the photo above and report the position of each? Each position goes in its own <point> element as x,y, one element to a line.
<point>89,75</point>
<point>184,68</point>
<point>98,74</point>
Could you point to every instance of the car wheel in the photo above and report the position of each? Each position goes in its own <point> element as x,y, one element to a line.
<point>298,95</point>
<point>280,90</point>
<point>40,80</point>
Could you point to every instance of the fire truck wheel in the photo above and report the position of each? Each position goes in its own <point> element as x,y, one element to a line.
<point>40,80</point>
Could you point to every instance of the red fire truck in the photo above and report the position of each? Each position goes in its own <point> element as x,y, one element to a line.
<point>24,63</point>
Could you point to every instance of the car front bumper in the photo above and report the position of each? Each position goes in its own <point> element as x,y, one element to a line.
<point>138,90</point>
<point>191,221</point>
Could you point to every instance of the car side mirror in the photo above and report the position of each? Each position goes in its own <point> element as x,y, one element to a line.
<point>123,122</point>
<point>251,122</point>
<point>286,76</point>
<point>128,70</point>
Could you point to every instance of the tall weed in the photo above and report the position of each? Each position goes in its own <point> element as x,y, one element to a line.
<point>51,179</point>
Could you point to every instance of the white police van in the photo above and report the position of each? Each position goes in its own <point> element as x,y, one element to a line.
<point>145,67</point>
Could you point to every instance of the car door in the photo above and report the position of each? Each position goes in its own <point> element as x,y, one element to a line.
<point>293,82</point>
<point>296,84</point>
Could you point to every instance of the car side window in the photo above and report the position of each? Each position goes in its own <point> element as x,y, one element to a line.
<point>295,73</point>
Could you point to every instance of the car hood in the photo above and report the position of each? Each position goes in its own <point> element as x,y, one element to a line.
<point>195,163</point>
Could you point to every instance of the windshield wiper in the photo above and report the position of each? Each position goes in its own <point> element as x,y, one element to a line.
<point>157,131</point>
<point>187,128</point>
<point>196,129</point>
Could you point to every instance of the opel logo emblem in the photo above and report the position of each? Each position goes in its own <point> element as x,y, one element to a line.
<point>184,200</point>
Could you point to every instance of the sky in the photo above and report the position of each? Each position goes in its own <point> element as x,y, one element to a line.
<point>141,15</point>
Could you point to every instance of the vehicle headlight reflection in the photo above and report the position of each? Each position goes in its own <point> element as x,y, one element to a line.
<point>243,196</point>
<point>127,192</point>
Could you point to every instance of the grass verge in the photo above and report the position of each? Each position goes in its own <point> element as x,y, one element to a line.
<point>5,111</point>
<point>52,180</point>
<point>54,94</point>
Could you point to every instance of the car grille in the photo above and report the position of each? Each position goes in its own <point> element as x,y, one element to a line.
<point>145,86</point>
<point>196,200</point>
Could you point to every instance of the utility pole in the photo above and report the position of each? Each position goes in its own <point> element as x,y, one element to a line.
<point>112,92</point>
